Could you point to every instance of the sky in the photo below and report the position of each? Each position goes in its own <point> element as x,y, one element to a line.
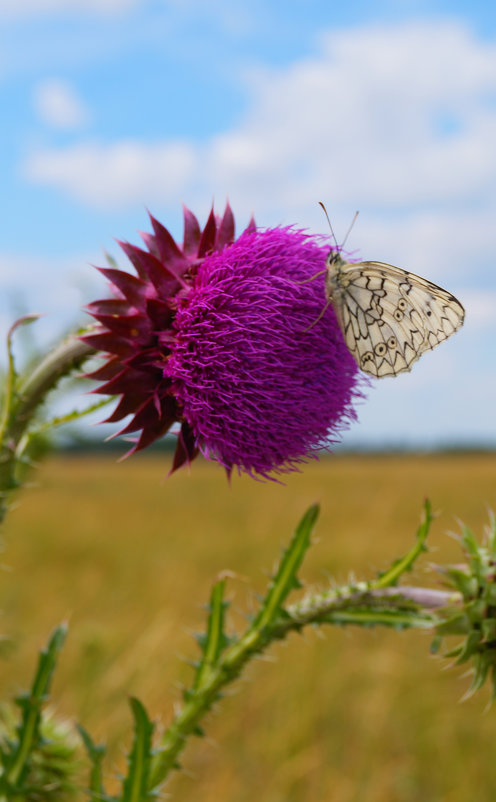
<point>113,107</point>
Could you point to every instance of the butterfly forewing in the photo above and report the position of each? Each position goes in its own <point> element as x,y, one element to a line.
<point>389,317</point>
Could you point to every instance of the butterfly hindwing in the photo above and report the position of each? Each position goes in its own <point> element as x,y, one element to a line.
<point>389,317</point>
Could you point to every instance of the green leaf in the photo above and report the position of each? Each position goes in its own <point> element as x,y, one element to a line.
<point>470,542</point>
<point>10,391</point>
<point>481,670</point>
<point>369,618</point>
<point>110,259</point>
<point>462,580</point>
<point>214,641</point>
<point>458,623</point>
<point>470,647</point>
<point>286,578</point>
<point>399,567</point>
<point>490,594</point>
<point>136,784</point>
<point>16,762</point>
<point>70,417</point>
<point>96,754</point>
<point>491,533</point>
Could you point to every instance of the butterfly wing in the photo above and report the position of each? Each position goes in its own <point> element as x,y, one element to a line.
<point>390,317</point>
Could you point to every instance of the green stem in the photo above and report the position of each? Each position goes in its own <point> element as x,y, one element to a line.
<point>399,607</point>
<point>22,402</point>
<point>69,355</point>
<point>331,606</point>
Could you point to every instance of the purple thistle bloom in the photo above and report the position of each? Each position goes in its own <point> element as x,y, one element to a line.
<point>223,337</point>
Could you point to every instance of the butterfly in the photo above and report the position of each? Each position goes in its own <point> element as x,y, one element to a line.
<point>389,317</point>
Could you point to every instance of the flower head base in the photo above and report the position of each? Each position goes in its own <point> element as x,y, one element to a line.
<point>224,337</point>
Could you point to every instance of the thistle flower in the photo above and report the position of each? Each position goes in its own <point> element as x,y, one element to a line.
<point>221,336</point>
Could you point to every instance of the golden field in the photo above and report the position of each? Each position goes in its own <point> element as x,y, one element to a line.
<point>339,714</point>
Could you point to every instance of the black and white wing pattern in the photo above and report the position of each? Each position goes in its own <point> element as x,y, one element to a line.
<point>389,317</point>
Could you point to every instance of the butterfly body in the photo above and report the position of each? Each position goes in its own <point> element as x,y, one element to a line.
<point>389,317</point>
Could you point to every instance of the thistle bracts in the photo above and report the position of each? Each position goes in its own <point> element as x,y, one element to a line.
<point>475,582</point>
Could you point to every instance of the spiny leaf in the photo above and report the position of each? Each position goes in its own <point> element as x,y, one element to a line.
<point>462,580</point>
<point>482,666</point>
<point>136,784</point>
<point>491,533</point>
<point>17,762</point>
<point>368,618</point>
<point>70,417</point>
<point>10,391</point>
<point>470,647</point>
<point>458,623</point>
<point>110,259</point>
<point>285,578</point>
<point>215,640</point>
<point>399,567</point>
<point>96,754</point>
<point>470,543</point>
<point>25,320</point>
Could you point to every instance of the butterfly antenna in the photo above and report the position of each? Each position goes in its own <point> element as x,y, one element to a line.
<point>332,231</point>
<point>349,230</point>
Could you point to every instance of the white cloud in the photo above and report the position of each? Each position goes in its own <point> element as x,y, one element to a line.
<point>58,104</point>
<point>441,243</point>
<point>112,176</point>
<point>383,117</point>
<point>364,121</point>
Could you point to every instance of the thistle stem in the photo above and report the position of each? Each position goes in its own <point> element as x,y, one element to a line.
<point>330,606</point>
<point>410,607</point>
<point>25,396</point>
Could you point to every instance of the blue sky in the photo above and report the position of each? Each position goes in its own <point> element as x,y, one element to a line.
<point>112,106</point>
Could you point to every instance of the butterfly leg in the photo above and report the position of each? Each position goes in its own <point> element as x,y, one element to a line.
<point>324,310</point>
<point>316,275</point>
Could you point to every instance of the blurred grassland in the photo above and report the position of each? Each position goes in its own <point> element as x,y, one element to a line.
<point>337,714</point>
